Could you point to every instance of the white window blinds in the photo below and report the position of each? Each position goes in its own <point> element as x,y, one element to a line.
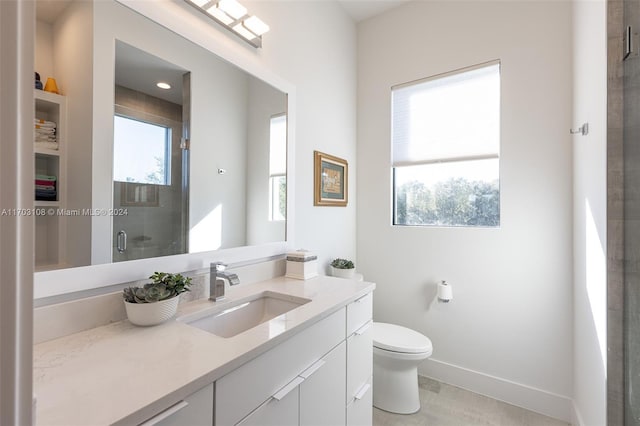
<point>278,143</point>
<point>450,117</point>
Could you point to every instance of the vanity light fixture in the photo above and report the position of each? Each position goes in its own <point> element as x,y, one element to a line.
<point>163,85</point>
<point>234,17</point>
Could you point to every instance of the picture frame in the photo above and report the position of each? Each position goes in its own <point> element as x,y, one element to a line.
<point>331,175</point>
<point>139,195</point>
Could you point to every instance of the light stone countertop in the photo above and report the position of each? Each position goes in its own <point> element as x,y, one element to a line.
<point>124,374</point>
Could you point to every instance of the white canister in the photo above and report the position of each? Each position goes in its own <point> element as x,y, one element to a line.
<point>302,265</point>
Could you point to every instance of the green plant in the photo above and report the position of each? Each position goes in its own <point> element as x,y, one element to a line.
<point>164,286</point>
<point>342,264</point>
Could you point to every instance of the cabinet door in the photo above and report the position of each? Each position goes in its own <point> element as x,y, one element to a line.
<point>275,412</point>
<point>360,410</point>
<point>194,410</point>
<point>242,390</point>
<point>359,359</point>
<point>322,394</point>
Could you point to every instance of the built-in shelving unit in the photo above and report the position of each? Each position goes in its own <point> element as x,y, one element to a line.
<point>51,224</point>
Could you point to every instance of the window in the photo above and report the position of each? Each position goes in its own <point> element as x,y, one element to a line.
<point>446,149</point>
<point>141,152</point>
<point>278,168</point>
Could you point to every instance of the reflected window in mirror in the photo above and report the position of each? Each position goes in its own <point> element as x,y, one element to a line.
<point>278,168</point>
<point>142,152</point>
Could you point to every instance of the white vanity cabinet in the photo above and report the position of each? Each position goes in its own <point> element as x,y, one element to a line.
<point>315,397</point>
<point>359,362</point>
<point>262,391</point>
<point>194,410</point>
<point>320,376</point>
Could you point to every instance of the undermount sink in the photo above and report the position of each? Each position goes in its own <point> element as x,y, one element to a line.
<point>238,316</point>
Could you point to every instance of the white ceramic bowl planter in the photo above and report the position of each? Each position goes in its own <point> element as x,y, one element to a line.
<point>157,301</point>
<point>343,273</point>
<point>342,268</point>
<point>154,313</point>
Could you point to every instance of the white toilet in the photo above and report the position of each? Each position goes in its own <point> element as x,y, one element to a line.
<point>397,351</point>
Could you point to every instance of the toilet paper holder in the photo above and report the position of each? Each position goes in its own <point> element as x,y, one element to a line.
<point>445,292</point>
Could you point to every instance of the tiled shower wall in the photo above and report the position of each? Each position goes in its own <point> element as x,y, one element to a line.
<point>615,215</point>
<point>631,147</point>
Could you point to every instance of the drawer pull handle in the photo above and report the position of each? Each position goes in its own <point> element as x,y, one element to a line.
<point>314,367</point>
<point>361,299</point>
<point>278,396</point>
<point>364,328</point>
<point>166,413</point>
<point>362,392</point>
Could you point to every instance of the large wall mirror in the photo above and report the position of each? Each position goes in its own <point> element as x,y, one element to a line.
<point>168,155</point>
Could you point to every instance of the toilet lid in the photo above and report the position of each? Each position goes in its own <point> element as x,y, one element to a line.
<point>392,337</point>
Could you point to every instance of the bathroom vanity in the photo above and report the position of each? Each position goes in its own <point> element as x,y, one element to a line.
<point>309,365</point>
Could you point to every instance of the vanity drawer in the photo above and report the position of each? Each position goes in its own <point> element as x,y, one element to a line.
<point>359,312</point>
<point>195,410</point>
<point>273,412</point>
<point>360,410</point>
<point>359,359</point>
<point>244,389</point>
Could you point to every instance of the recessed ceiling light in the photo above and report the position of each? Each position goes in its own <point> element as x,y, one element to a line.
<point>164,85</point>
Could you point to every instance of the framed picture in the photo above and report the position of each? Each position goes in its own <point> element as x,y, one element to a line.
<point>139,194</point>
<point>330,180</point>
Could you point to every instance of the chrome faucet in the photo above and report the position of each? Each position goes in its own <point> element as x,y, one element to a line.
<point>217,279</point>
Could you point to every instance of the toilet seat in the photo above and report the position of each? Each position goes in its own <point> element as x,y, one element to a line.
<point>395,338</point>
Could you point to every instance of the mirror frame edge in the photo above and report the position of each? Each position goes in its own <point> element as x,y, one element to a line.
<point>175,18</point>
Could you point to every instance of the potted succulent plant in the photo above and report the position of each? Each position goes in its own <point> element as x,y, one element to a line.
<point>342,268</point>
<point>156,301</point>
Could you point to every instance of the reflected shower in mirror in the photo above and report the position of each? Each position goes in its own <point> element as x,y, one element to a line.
<point>150,159</point>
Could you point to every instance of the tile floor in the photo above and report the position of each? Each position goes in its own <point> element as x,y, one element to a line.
<point>446,405</point>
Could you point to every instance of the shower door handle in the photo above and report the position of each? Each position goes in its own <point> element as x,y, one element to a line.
<point>628,42</point>
<point>121,241</point>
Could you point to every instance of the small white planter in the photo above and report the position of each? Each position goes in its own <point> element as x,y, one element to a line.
<point>343,273</point>
<point>146,314</point>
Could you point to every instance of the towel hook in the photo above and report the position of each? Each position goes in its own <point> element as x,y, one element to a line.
<point>584,130</point>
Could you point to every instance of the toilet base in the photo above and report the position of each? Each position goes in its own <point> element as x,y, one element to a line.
<point>395,381</point>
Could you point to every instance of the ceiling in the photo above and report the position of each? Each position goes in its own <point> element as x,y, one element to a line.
<point>139,70</point>
<point>360,10</point>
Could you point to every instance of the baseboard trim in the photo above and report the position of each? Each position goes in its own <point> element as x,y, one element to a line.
<point>550,404</point>
<point>576,418</point>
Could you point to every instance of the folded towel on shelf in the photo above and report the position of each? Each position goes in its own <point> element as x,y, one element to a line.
<point>45,137</point>
<point>45,140</point>
<point>45,187</point>
<point>47,145</point>
<point>41,132</point>
<point>43,123</point>
<point>46,197</point>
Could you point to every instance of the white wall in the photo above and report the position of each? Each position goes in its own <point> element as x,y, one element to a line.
<point>44,51</point>
<point>16,232</point>
<point>508,331</point>
<point>312,44</point>
<point>590,213</point>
